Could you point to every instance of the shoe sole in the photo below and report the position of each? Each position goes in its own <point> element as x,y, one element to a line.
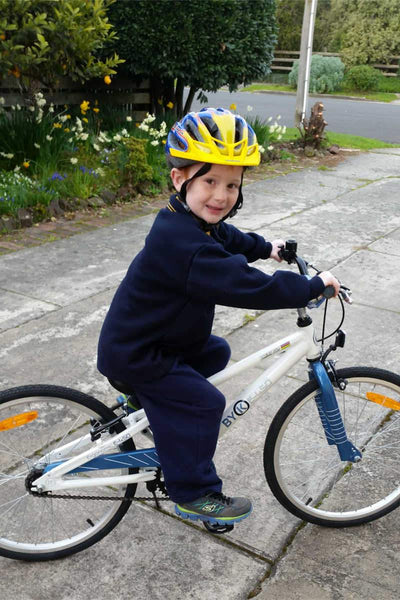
<point>192,516</point>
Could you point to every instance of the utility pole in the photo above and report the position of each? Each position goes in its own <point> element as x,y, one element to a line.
<point>303,84</point>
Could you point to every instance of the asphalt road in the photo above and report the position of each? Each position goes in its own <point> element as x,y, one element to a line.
<point>378,120</point>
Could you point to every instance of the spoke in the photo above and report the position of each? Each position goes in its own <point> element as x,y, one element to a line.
<point>13,503</point>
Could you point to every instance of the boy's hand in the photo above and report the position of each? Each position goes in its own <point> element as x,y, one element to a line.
<point>276,246</point>
<point>330,279</point>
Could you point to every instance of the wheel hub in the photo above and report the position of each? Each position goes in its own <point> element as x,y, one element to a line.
<point>32,476</point>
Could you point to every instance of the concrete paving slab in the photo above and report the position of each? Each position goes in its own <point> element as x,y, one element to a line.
<point>339,564</point>
<point>17,309</point>
<point>279,198</point>
<point>370,165</point>
<point>75,268</point>
<point>148,556</point>
<point>395,151</point>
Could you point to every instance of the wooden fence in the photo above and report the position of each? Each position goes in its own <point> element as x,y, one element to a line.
<point>123,92</point>
<point>283,62</point>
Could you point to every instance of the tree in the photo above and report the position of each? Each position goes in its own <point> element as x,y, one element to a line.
<point>203,44</point>
<point>43,41</point>
<point>365,31</point>
<point>289,18</point>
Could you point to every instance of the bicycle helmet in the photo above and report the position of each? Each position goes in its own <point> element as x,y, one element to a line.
<point>212,136</point>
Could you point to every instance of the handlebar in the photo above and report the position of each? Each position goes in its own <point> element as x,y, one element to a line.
<point>289,254</point>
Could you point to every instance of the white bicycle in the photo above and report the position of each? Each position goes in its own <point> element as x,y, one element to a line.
<point>331,455</point>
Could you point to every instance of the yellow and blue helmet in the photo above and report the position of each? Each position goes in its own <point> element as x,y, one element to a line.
<point>212,135</point>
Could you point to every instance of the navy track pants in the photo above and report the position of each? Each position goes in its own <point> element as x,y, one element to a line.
<point>184,412</point>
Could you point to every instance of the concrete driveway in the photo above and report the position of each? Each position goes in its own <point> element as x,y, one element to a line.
<point>54,298</point>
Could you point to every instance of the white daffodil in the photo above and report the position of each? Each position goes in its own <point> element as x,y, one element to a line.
<point>129,119</point>
<point>73,160</point>
<point>49,138</point>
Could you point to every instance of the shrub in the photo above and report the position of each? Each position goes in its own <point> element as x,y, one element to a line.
<point>363,78</point>
<point>326,74</point>
<point>389,84</point>
<point>267,133</point>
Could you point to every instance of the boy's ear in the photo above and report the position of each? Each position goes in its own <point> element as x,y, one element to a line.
<point>178,177</point>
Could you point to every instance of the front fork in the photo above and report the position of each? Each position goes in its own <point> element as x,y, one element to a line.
<point>330,416</point>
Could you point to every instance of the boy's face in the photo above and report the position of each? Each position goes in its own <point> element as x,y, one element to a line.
<point>213,195</point>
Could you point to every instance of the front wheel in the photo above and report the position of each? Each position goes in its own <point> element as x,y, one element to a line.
<point>35,420</point>
<point>306,474</point>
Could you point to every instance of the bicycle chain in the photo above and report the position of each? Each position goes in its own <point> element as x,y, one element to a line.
<point>119,498</point>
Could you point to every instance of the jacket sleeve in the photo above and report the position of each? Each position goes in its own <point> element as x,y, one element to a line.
<point>217,277</point>
<point>251,245</point>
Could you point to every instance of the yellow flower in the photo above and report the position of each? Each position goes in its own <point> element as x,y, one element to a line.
<point>85,120</point>
<point>26,164</point>
<point>67,129</point>
<point>67,116</point>
<point>164,142</point>
<point>159,101</point>
<point>107,79</point>
<point>57,125</point>
<point>96,110</point>
<point>170,105</point>
<point>2,36</point>
<point>233,106</point>
<point>85,106</point>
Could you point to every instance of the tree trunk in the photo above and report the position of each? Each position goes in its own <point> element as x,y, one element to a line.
<point>189,100</point>
<point>179,98</point>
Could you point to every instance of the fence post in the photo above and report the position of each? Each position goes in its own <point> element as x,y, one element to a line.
<point>303,82</point>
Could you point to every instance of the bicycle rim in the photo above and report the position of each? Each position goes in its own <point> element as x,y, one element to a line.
<point>306,474</point>
<point>40,528</point>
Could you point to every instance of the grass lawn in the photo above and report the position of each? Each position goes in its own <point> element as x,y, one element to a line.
<point>343,140</point>
<point>376,96</point>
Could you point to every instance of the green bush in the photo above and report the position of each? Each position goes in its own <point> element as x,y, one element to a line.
<point>389,84</point>
<point>326,74</point>
<point>363,78</point>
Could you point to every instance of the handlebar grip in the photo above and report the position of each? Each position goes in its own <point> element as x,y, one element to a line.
<point>329,292</point>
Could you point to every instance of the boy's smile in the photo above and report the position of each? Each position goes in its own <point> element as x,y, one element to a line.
<point>213,195</point>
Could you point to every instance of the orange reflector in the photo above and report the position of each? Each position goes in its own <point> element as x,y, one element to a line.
<point>383,400</point>
<point>18,420</point>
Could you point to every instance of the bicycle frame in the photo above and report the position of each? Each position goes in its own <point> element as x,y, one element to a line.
<point>293,348</point>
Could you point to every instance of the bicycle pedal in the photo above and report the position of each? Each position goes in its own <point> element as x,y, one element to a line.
<point>217,529</point>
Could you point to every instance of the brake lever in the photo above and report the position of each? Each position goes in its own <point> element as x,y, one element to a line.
<point>345,293</point>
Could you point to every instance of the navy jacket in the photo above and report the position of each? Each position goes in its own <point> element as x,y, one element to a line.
<point>164,307</point>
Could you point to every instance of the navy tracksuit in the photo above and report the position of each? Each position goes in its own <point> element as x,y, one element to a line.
<point>156,337</point>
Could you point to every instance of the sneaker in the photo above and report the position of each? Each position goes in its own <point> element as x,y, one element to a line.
<point>132,403</point>
<point>214,507</point>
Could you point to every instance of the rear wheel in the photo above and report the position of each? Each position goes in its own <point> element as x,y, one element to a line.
<point>40,527</point>
<point>306,474</point>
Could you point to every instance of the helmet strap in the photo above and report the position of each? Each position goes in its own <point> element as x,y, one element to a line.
<point>182,196</point>
<point>182,192</point>
<point>238,205</point>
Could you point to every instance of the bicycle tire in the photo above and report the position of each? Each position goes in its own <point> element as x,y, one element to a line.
<point>306,475</point>
<point>36,528</point>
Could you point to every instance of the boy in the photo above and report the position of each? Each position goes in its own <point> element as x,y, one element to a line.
<point>156,338</point>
